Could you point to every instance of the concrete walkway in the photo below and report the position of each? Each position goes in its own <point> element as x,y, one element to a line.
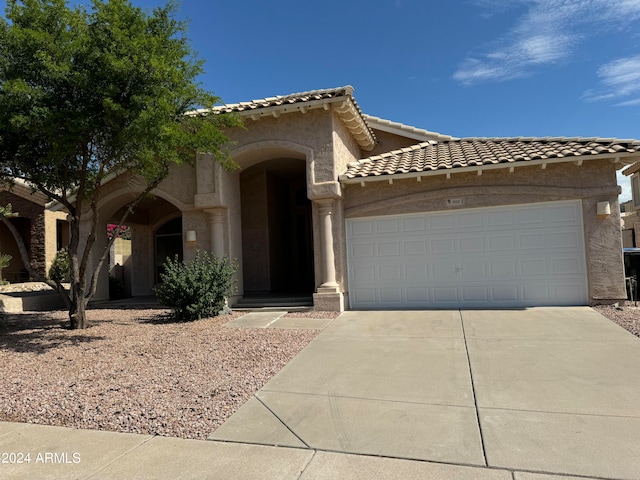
<point>537,394</point>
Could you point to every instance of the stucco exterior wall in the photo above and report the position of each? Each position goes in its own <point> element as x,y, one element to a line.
<point>51,229</point>
<point>593,182</point>
<point>388,142</point>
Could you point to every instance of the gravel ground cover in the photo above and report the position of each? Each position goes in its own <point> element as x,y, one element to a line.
<point>136,370</point>
<point>628,317</point>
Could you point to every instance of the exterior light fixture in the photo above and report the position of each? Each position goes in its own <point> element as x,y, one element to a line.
<point>603,209</point>
<point>191,236</point>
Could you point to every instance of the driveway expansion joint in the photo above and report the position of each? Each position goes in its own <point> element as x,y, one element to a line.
<point>473,391</point>
<point>280,420</point>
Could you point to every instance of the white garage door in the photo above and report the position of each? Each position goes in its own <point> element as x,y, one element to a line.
<point>513,256</point>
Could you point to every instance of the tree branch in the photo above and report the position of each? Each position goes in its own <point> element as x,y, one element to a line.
<point>94,277</point>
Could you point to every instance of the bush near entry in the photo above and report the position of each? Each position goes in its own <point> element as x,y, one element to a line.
<point>197,288</point>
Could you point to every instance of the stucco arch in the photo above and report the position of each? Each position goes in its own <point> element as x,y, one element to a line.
<point>112,201</point>
<point>254,153</point>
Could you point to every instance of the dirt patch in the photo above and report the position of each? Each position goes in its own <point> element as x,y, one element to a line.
<point>136,370</point>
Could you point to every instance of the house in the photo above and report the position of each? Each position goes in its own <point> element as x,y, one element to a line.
<point>44,231</point>
<point>361,212</point>
<point>629,210</point>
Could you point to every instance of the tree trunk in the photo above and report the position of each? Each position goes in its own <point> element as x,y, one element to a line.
<point>77,309</point>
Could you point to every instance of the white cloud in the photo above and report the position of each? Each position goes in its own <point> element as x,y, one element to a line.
<point>629,103</point>
<point>619,79</point>
<point>547,33</point>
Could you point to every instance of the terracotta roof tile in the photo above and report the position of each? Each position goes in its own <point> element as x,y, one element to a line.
<point>476,152</point>
<point>286,99</point>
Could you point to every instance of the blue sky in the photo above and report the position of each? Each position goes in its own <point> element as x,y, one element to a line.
<point>463,68</point>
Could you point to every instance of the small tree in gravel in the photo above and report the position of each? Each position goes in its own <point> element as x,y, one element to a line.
<point>197,288</point>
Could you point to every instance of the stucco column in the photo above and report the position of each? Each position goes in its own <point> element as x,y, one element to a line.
<point>216,228</point>
<point>325,212</point>
<point>216,233</point>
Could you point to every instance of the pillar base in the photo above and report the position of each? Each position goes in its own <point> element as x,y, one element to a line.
<point>328,301</point>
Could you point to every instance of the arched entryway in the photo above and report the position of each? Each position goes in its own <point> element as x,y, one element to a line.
<point>155,232</point>
<point>277,240</point>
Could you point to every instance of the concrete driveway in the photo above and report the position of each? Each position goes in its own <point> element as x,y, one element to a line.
<point>534,391</point>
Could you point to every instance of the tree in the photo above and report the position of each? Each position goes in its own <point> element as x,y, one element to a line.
<point>85,93</point>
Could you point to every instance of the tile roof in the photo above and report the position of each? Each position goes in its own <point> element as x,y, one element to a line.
<point>283,100</point>
<point>631,169</point>
<point>478,152</point>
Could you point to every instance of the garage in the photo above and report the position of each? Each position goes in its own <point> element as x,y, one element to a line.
<point>507,256</point>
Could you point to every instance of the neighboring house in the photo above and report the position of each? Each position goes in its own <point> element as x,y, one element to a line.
<point>630,218</point>
<point>44,231</point>
<point>361,212</point>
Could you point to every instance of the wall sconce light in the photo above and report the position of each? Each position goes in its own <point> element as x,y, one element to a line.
<point>603,209</point>
<point>191,236</point>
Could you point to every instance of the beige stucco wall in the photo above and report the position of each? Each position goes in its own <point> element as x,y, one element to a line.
<point>50,239</point>
<point>593,182</point>
<point>387,142</point>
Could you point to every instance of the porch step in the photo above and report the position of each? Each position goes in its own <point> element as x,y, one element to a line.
<point>272,302</point>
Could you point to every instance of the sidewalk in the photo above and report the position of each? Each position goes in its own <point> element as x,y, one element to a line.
<point>64,453</point>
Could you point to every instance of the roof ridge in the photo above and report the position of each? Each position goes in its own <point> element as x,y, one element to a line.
<point>347,89</point>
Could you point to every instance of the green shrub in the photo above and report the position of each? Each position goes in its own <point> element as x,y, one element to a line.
<point>5,260</point>
<point>60,270</point>
<point>198,288</point>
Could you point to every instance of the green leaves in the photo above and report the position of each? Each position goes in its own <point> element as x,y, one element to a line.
<point>7,211</point>
<point>109,87</point>
<point>198,288</point>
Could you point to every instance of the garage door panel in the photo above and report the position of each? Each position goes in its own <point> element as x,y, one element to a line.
<point>386,249</point>
<point>360,250</point>
<point>533,267</point>
<point>440,222</point>
<point>418,295</point>
<point>531,241</point>
<point>416,272</point>
<point>361,227</point>
<point>501,243</point>
<point>474,220</point>
<point>415,247</point>
<point>500,218</point>
<point>416,224</point>
<point>475,294</point>
<point>387,226</point>
<point>505,256</point>
<point>503,268</point>
<point>568,240</point>
<point>473,244</point>
<point>562,214</point>
<point>439,246</point>
<point>505,293</point>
